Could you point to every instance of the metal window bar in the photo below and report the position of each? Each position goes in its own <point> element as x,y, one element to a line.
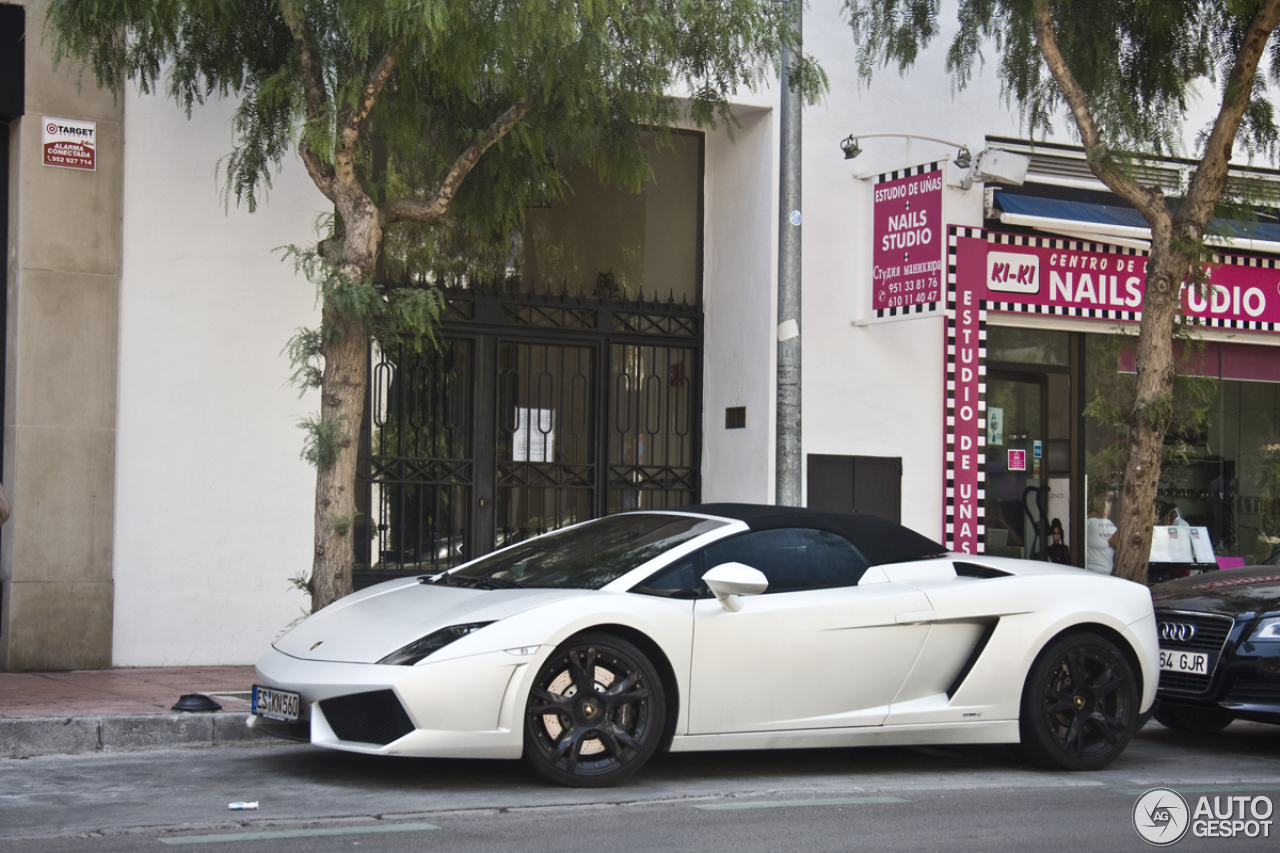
<point>417,461</point>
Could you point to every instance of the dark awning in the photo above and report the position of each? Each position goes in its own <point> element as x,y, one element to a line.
<point>1120,217</point>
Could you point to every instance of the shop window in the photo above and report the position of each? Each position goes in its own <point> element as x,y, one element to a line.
<point>1028,346</point>
<point>1222,471</point>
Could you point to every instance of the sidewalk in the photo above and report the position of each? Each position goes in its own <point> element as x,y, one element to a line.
<point>50,713</point>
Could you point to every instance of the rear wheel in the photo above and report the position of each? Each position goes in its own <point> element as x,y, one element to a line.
<point>1080,704</point>
<point>594,714</point>
<point>1200,721</point>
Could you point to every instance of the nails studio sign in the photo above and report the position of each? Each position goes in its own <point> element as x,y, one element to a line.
<point>1015,274</point>
<point>908,238</point>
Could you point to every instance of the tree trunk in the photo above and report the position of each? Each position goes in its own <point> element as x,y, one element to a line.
<point>342,394</point>
<point>343,389</point>
<point>1152,408</point>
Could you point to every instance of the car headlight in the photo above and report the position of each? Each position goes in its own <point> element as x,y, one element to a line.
<point>433,642</point>
<point>1268,629</point>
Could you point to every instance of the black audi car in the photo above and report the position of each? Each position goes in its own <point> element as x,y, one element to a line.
<point>1219,648</point>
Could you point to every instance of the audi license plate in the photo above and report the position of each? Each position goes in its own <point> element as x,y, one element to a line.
<point>276,704</point>
<point>1195,663</point>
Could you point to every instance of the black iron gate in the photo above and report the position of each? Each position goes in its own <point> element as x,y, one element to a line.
<point>536,412</point>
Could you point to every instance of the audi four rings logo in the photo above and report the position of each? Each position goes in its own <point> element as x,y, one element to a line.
<point>1177,631</point>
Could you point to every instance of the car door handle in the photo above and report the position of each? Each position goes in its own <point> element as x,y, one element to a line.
<point>915,617</point>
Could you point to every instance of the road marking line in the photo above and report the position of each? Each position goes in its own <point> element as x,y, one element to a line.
<point>782,804</point>
<point>1198,789</point>
<point>298,833</point>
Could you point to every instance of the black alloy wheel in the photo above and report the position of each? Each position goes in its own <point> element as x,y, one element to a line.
<point>1080,704</point>
<point>1199,721</point>
<point>595,712</point>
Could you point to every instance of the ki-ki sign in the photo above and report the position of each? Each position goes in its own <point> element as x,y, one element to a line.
<point>991,273</point>
<point>1077,278</point>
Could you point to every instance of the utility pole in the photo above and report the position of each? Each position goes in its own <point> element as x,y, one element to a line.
<point>788,458</point>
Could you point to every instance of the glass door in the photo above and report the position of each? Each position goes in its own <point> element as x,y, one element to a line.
<point>1017,490</point>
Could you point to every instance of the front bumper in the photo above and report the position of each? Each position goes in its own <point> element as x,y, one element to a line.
<point>1252,682</point>
<point>466,707</point>
<point>1245,679</point>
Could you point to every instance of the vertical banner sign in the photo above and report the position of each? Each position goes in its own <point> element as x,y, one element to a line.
<point>906,277</point>
<point>966,388</point>
<point>69,144</point>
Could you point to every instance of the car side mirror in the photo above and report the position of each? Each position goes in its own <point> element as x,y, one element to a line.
<point>730,580</point>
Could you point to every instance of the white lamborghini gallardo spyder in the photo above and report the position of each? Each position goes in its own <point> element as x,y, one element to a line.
<point>587,649</point>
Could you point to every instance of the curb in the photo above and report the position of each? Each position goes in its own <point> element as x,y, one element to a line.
<point>25,737</point>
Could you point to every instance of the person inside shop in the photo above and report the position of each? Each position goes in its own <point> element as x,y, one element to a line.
<point>1058,550</point>
<point>1167,513</point>
<point>1100,535</point>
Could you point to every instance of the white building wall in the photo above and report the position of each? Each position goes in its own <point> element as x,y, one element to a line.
<point>740,271</point>
<point>868,390</point>
<point>213,505</point>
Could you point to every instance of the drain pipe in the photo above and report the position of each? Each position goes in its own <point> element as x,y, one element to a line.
<point>788,459</point>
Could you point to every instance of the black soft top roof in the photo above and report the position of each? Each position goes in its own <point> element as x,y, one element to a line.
<point>880,540</point>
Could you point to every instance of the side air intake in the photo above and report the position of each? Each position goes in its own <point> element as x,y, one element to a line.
<point>974,570</point>
<point>978,648</point>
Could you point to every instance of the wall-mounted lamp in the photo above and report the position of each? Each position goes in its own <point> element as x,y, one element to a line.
<point>991,164</point>
<point>851,148</point>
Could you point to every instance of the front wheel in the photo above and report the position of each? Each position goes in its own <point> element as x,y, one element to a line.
<point>595,712</point>
<point>1080,704</point>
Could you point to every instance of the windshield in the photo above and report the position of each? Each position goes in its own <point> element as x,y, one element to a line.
<point>584,557</point>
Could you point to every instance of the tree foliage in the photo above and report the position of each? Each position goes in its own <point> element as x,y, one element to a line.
<point>1140,62</point>
<point>1124,73</point>
<point>597,71</point>
<point>443,118</point>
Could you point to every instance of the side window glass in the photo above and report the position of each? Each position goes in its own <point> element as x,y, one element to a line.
<point>793,558</point>
<point>682,580</point>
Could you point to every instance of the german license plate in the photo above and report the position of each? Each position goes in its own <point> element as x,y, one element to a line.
<point>1194,663</point>
<point>276,704</point>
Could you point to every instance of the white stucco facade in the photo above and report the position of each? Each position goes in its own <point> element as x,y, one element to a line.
<point>213,503</point>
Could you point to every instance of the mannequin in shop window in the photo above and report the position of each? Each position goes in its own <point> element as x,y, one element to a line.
<point>1100,535</point>
<point>1058,550</point>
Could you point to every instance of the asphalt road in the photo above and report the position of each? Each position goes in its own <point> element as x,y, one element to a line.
<point>908,799</point>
